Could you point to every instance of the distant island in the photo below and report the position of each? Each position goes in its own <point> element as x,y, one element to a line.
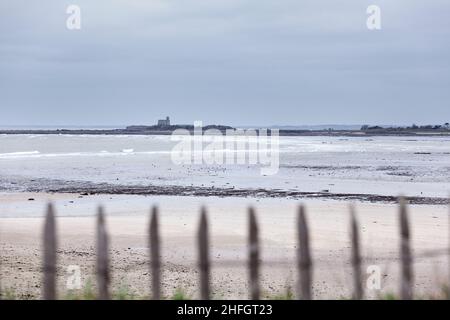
<point>164,127</point>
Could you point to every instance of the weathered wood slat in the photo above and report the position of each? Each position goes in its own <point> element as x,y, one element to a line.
<point>203,258</point>
<point>253,256</point>
<point>304,257</point>
<point>406,290</point>
<point>103,276</point>
<point>358,291</point>
<point>49,258</point>
<point>155,262</point>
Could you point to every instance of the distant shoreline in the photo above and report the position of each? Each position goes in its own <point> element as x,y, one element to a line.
<point>222,129</point>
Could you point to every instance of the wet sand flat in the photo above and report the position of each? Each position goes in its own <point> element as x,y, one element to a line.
<point>127,222</point>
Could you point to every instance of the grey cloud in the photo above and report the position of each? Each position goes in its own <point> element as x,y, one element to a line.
<point>228,61</point>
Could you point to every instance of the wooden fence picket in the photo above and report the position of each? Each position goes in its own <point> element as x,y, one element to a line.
<point>103,276</point>
<point>49,257</point>
<point>155,263</point>
<point>253,256</point>
<point>203,262</point>
<point>304,257</point>
<point>406,290</point>
<point>358,291</point>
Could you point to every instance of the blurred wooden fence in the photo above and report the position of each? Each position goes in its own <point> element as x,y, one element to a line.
<point>304,257</point>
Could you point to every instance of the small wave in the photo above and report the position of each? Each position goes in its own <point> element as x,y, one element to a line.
<point>18,154</point>
<point>102,153</point>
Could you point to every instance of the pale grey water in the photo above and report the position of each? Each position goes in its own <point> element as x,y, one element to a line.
<point>416,166</point>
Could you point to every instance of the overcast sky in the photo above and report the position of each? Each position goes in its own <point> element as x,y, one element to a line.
<point>237,62</point>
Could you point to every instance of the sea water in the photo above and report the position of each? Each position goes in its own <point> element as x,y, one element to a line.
<point>387,165</point>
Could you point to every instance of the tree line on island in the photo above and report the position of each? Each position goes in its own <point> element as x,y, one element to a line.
<point>413,127</point>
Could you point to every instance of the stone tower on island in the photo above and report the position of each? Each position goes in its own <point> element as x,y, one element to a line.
<point>164,123</point>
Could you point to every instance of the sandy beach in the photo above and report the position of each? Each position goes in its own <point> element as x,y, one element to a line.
<point>127,222</point>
